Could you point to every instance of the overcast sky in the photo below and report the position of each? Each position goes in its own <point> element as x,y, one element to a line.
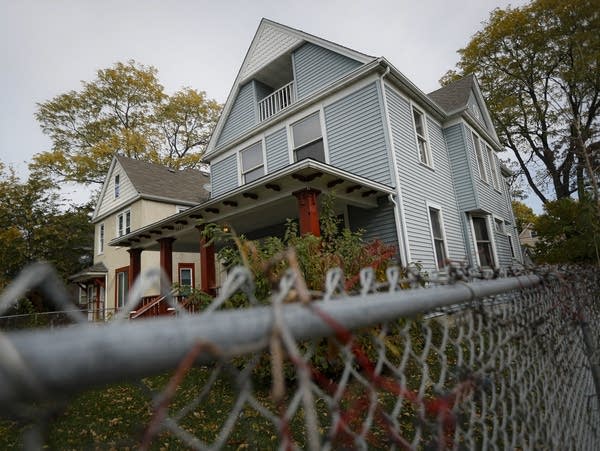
<point>48,46</point>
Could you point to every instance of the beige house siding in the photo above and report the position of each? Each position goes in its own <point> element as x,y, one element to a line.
<point>127,192</point>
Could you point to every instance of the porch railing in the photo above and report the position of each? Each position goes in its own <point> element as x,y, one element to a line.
<point>276,101</point>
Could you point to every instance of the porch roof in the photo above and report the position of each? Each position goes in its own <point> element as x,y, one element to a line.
<point>260,203</point>
<point>91,272</point>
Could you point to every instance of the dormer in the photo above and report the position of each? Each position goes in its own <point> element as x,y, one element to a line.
<point>283,67</point>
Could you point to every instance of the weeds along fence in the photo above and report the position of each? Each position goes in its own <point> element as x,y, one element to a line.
<point>464,363</point>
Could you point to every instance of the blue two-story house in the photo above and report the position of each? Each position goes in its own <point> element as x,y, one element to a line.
<point>306,117</point>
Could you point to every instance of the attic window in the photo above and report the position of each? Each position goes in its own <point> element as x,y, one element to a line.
<point>117,186</point>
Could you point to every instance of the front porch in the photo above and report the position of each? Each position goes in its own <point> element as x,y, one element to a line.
<point>256,210</point>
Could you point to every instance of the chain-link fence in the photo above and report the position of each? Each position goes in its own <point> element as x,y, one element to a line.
<point>462,363</point>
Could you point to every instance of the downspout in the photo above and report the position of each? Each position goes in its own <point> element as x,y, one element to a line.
<point>398,204</point>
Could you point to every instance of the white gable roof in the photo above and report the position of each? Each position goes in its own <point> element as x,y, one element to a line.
<point>271,41</point>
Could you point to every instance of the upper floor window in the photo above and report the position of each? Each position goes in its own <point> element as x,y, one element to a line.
<point>499,225</point>
<point>483,241</point>
<point>424,152</point>
<point>439,242</point>
<point>479,155</point>
<point>252,162</point>
<point>117,185</point>
<point>308,139</point>
<point>101,238</point>
<point>124,223</point>
<point>493,168</point>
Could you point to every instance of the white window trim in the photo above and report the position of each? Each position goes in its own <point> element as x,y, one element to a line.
<point>490,229</point>
<point>181,208</point>
<point>123,213</point>
<point>101,238</point>
<point>241,172</point>
<point>428,151</point>
<point>432,206</point>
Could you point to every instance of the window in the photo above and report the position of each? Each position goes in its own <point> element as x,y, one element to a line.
<point>124,223</point>
<point>493,168</point>
<point>510,244</point>
<point>121,286</point>
<point>101,238</point>
<point>437,231</point>
<point>424,154</point>
<point>484,244</point>
<point>186,278</point>
<point>180,208</point>
<point>477,144</point>
<point>499,225</point>
<point>308,139</point>
<point>117,186</point>
<point>252,162</point>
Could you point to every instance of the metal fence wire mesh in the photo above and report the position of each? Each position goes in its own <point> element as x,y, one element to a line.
<point>508,363</point>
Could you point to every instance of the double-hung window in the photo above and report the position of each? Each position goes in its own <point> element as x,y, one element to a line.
<point>117,185</point>
<point>101,238</point>
<point>479,155</point>
<point>124,223</point>
<point>252,162</point>
<point>483,241</point>
<point>493,168</point>
<point>439,242</point>
<point>186,278</point>
<point>307,138</point>
<point>424,152</point>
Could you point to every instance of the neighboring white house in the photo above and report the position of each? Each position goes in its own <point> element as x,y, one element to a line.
<point>136,193</point>
<point>306,117</point>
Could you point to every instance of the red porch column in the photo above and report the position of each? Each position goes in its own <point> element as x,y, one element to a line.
<point>166,260</point>
<point>308,211</point>
<point>208,279</point>
<point>135,265</point>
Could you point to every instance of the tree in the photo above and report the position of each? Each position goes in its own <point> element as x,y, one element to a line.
<point>568,232</point>
<point>126,111</point>
<point>539,69</point>
<point>34,226</point>
<point>523,214</point>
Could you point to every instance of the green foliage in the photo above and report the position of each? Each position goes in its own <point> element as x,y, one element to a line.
<point>523,214</point>
<point>126,111</point>
<point>568,231</point>
<point>539,70</point>
<point>34,226</point>
<point>336,247</point>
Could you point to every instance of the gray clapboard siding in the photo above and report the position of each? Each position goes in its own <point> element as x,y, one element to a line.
<point>242,116</point>
<point>224,175</point>
<point>316,67</point>
<point>421,184</point>
<point>277,150</point>
<point>378,223</point>
<point>355,135</point>
<point>460,163</point>
<point>503,249</point>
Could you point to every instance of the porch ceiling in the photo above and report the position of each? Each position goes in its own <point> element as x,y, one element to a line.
<point>261,203</point>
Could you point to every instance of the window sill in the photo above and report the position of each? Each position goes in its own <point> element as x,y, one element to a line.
<point>431,168</point>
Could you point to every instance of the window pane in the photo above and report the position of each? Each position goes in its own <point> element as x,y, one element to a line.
<point>481,232</point>
<point>252,157</point>
<point>120,219</point>
<point>435,223</point>
<point>185,277</point>
<point>440,253</point>
<point>485,254</point>
<point>313,150</point>
<point>254,174</point>
<point>128,222</point>
<point>122,288</point>
<point>423,151</point>
<point>479,156</point>
<point>418,122</point>
<point>306,130</point>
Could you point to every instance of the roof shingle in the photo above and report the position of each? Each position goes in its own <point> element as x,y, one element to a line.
<point>454,96</point>
<point>156,180</point>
